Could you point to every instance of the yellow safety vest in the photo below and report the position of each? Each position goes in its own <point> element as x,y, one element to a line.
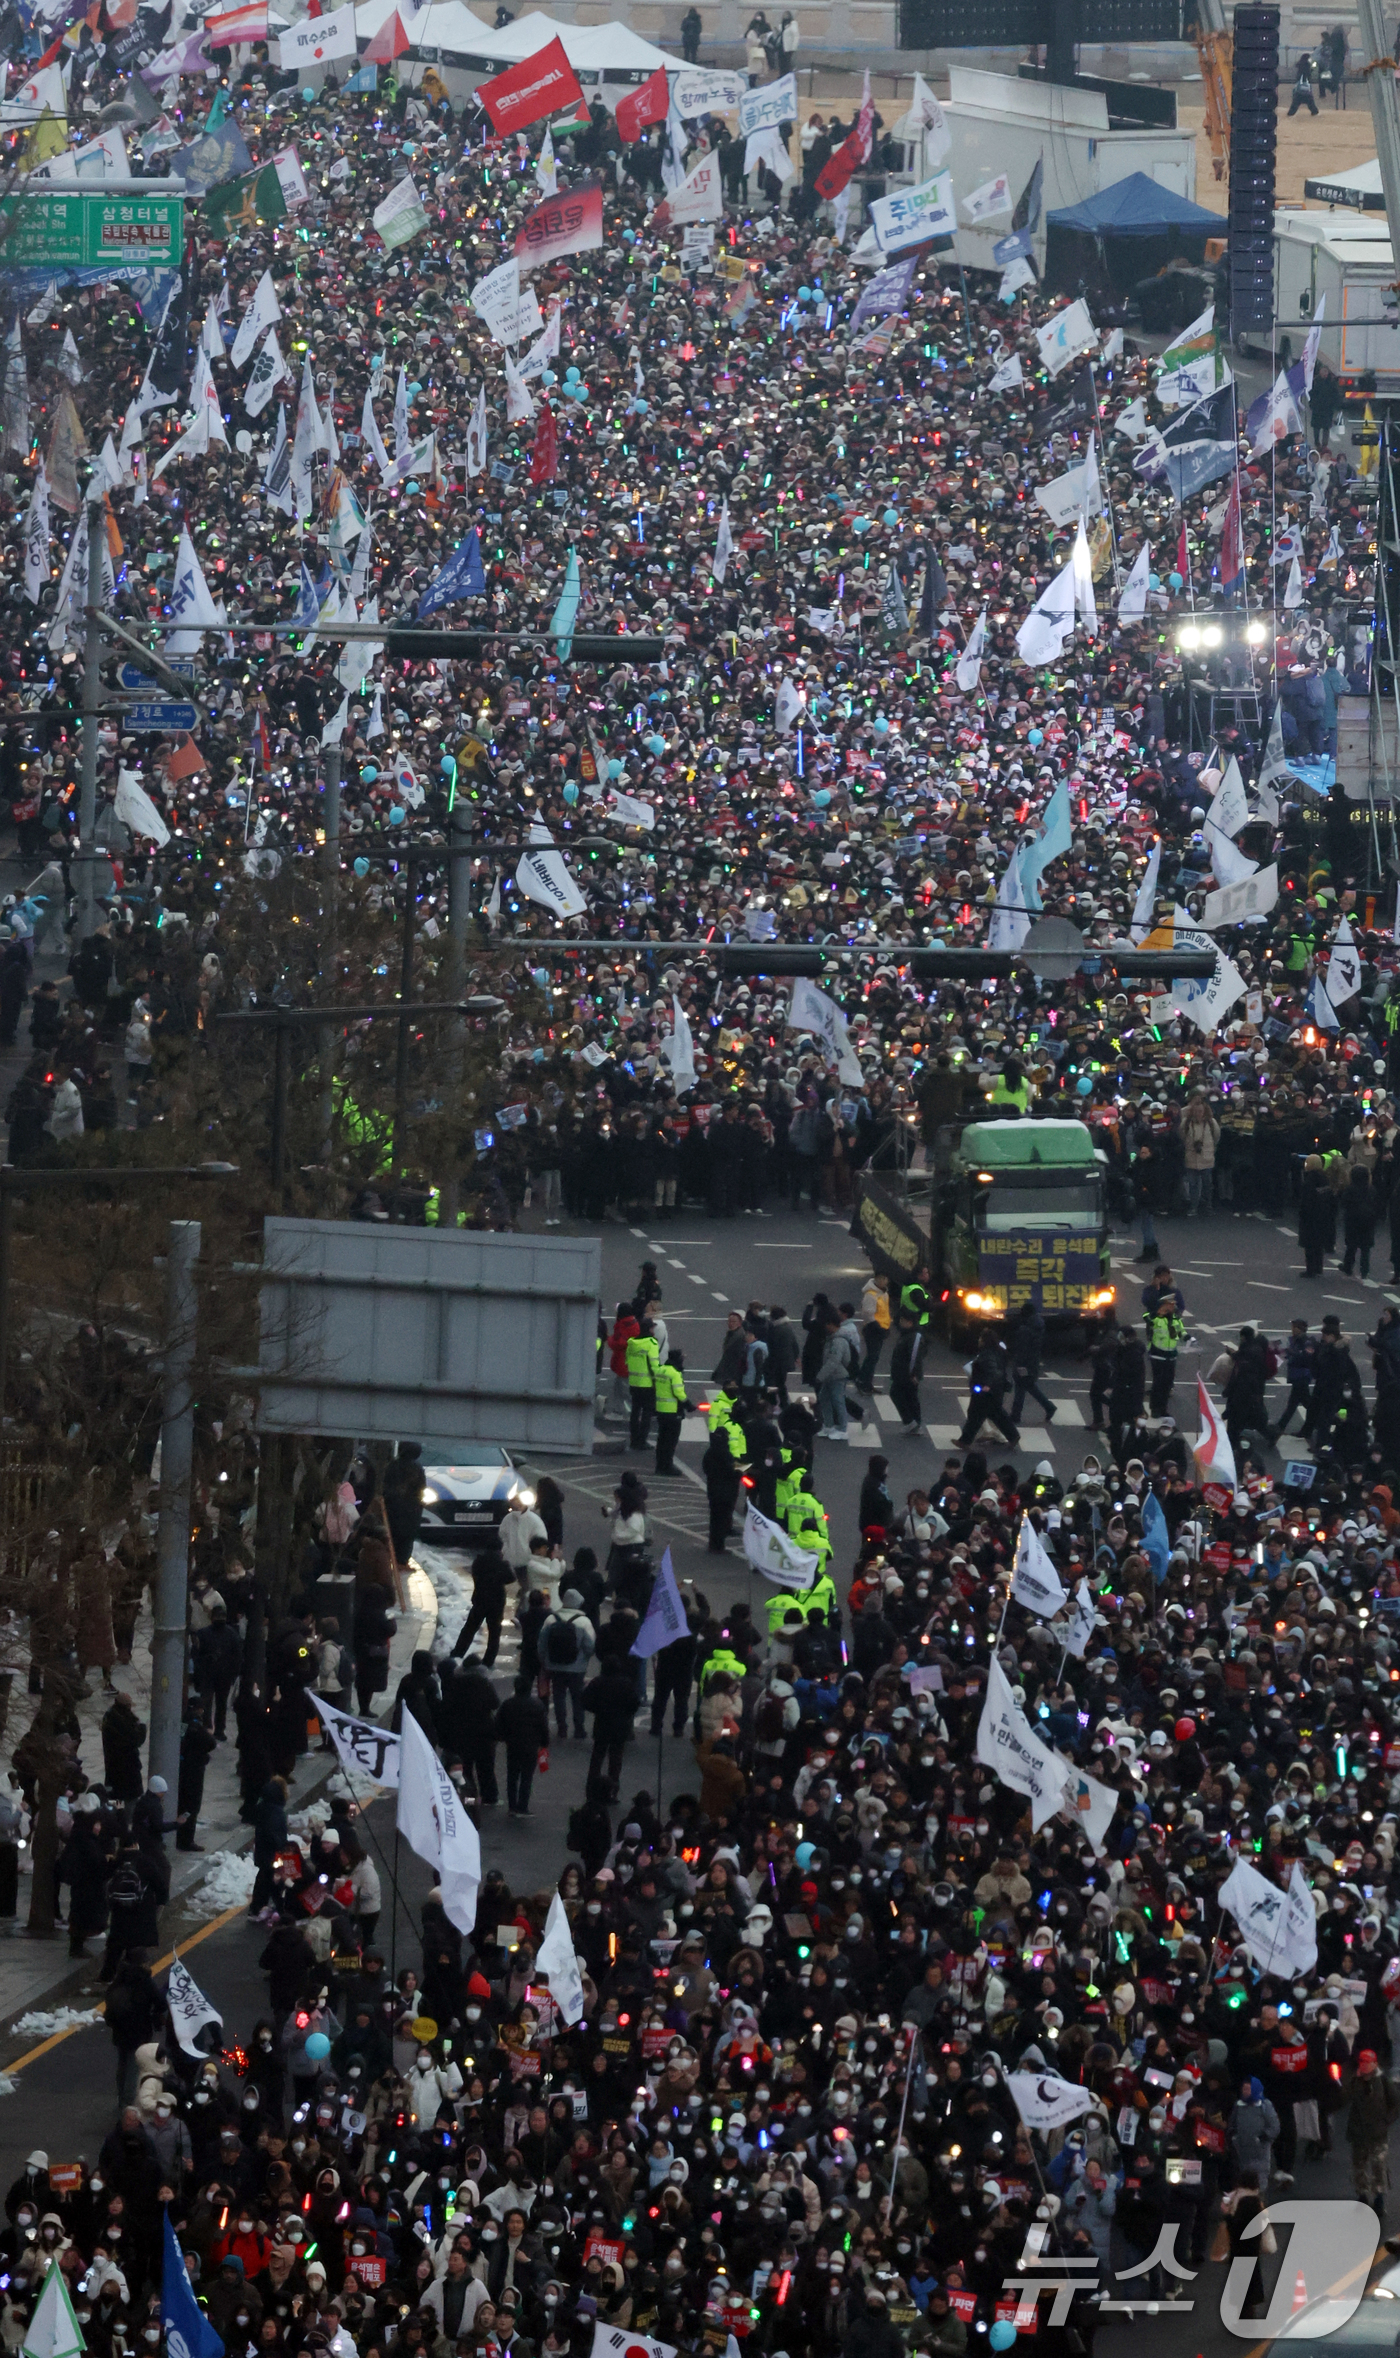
<point>721,1660</point>
<point>670,1390</point>
<point>719,1410</point>
<point>643,1360</point>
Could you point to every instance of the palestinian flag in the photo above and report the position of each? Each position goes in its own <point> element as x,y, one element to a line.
<point>575,117</point>
<point>239,207</point>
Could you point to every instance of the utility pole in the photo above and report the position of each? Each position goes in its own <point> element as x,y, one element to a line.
<point>1385,107</point>
<point>92,713</point>
<point>330,915</point>
<point>459,904</point>
<point>173,1538</point>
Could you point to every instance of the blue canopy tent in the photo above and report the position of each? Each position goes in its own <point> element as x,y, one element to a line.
<point>1126,235</point>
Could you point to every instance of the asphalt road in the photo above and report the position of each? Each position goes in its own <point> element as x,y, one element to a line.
<point>1231,1269</point>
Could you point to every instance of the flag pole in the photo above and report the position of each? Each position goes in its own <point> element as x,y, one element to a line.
<point>914,2037</point>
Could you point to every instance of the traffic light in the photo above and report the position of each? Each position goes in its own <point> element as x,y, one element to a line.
<point>1253,143</point>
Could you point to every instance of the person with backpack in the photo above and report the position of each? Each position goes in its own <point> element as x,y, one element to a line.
<point>567,1645</point>
<point>989,1377</point>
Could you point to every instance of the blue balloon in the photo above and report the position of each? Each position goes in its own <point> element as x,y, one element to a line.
<point>571,793</point>
<point>804,294</point>
<point>1003,2334</point>
<point>1153,581</point>
<point>447,765</point>
<point>369,773</point>
<point>397,814</point>
<point>1035,736</point>
<point>881,725</point>
<point>1083,1087</point>
<point>308,95</point>
<point>1174,580</point>
<point>318,2046</point>
<point>614,769</point>
<point>655,746</point>
<point>891,516</point>
<point>860,523</point>
<point>410,487</point>
<point>805,1853</point>
<point>571,375</point>
<point>547,377</point>
<point>362,867</point>
<point>822,797</point>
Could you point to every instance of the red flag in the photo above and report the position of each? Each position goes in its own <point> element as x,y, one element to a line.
<point>1232,543</point>
<point>389,42</point>
<point>853,151</point>
<point>544,458</point>
<point>1183,560</point>
<point>570,223</point>
<point>540,85</point>
<point>641,107</point>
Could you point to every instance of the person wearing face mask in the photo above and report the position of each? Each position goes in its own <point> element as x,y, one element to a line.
<point>234,2310</point>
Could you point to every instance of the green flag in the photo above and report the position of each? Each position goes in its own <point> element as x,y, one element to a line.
<point>238,207</point>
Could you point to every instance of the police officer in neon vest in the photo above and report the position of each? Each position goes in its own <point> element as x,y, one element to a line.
<point>643,1360</point>
<point>671,1407</point>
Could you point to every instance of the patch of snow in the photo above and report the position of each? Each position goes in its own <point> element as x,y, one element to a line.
<point>228,1884</point>
<point>44,2025</point>
<point>8,2087</point>
<point>453,1592</point>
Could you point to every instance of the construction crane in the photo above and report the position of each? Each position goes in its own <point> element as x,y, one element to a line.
<point>1216,49</point>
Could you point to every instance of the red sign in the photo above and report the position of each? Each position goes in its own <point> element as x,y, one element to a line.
<point>964,2305</point>
<point>65,2177</point>
<point>540,85</point>
<point>641,107</point>
<point>1289,2059</point>
<point>370,2269</point>
<point>1211,2140</point>
<point>570,223</point>
<point>1215,1494</point>
<point>1021,2315</point>
<point>602,2247</point>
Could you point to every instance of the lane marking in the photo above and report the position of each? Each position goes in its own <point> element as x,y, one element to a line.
<point>56,2038</point>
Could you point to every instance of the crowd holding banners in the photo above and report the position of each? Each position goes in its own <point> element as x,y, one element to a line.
<point>814,2095</point>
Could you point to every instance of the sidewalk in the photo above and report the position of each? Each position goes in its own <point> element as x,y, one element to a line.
<point>40,1973</point>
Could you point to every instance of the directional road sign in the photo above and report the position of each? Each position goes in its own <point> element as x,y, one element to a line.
<point>157,717</point>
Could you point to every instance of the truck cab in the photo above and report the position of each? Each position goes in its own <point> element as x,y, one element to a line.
<point>1021,1217</point>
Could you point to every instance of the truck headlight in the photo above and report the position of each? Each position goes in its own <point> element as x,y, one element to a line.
<point>1103,1297</point>
<point>982,1305</point>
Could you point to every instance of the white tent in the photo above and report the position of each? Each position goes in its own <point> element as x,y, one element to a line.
<point>1360,188</point>
<point>607,52</point>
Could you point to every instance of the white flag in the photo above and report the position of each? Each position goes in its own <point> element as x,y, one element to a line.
<point>403,438</point>
<point>1311,342</point>
<point>434,1822</point>
<point>1082,1617</point>
<point>53,2330</point>
<point>519,405</point>
<point>1069,333</point>
<point>190,601</point>
<point>1146,900</point>
<point>1280,418</point>
<point>1010,373</point>
<point>1278,1928</point>
<point>679,1048</point>
<point>1089,1805</point>
<point>306,441</point>
<point>545,347</point>
<point>556,1960</point>
<point>1236,904</point>
<point>1344,966</point>
<point>1213,1453</point>
<point>1133,421</point>
<point>190,2010</point>
<point>969,664</point>
<point>136,810</point>
<point>1035,1582</point>
<point>36,538</point>
<point>361,1747</point>
<point>631,810</point>
<point>1045,2101</point>
<point>1007,1743</point>
<point>1132,605</point>
<point>994,196</point>
<point>263,312</point>
<point>1050,621</point>
<point>1229,805</point>
<point>788,707</point>
<point>476,436</point>
<point>204,399</point>
<point>1293,592</point>
<point>546,170</point>
<point>543,877</point>
<point>777,1557</point>
<point>724,545</point>
<point>317,41</point>
<point>1011,919</point>
<point>925,119</point>
<point>810,1010</point>
<point>1081,565</point>
<point>69,362</point>
<point>269,371</point>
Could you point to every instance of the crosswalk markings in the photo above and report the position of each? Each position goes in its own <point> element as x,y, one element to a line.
<point>885,1409</point>
<point>943,1436</point>
<point>694,1428</point>
<point>1069,1412</point>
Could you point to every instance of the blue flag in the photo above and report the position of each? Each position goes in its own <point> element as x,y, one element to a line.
<point>463,576</point>
<point>1053,844</point>
<point>308,602</point>
<point>1156,1545</point>
<point>665,1615</point>
<point>561,629</point>
<point>188,2332</point>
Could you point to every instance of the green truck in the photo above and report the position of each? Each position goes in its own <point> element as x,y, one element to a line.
<point>1019,1217</point>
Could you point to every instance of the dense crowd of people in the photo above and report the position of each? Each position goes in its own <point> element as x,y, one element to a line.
<point>822,1968</point>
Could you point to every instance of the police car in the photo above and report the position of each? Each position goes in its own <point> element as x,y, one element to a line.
<point>469,1486</point>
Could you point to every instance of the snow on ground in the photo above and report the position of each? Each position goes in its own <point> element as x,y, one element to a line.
<point>228,1884</point>
<point>453,1591</point>
<point>44,2025</point>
